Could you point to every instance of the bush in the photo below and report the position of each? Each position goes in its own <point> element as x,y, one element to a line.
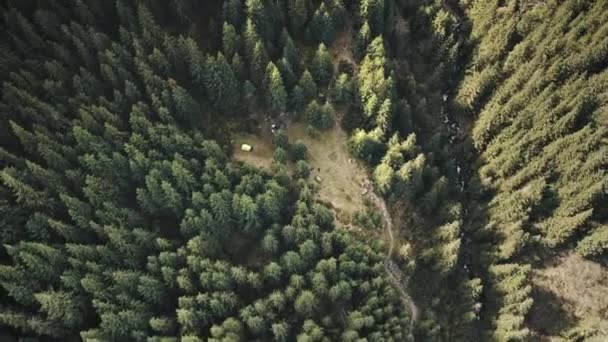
<point>311,131</point>
<point>280,139</point>
<point>320,117</point>
<point>342,91</point>
<point>300,151</point>
<point>368,218</point>
<point>302,169</point>
<point>280,155</point>
<point>366,145</point>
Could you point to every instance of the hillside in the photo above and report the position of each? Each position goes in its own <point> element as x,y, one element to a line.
<point>417,170</point>
<point>536,87</point>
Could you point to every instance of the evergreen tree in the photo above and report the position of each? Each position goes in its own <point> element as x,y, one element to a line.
<point>322,66</point>
<point>250,98</point>
<point>258,13</point>
<point>287,73</point>
<point>297,11</point>
<point>221,83</point>
<point>308,86</point>
<point>343,91</point>
<point>297,99</point>
<point>366,145</point>
<point>306,304</point>
<point>258,64</point>
<point>362,40</point>
<point>291,54</point>
<point>238,66</point>
<point>322,25</point>
<point>230,40</point>
<point>383,177</point>
<point>300,151</point>
<point>276,96</point>
<point>302,169</point>
<point>232,12</point>
<point>372,11</point>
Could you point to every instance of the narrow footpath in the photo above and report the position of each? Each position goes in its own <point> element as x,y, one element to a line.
<point>396,276</point>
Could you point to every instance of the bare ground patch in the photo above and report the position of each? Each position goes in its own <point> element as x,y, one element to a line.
<point>261,154</point>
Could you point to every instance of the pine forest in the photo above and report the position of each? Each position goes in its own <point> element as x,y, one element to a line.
<point>303,170</point>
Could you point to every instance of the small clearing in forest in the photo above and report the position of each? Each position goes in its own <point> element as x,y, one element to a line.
<point>261,154</point>
<point>341,176</point>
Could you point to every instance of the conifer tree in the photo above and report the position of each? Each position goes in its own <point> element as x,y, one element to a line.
<point>362,40</point>
<point>230,40</point>
<point>308,86</point>
<point>297,13</point>
<point>287,72</point>
<point>322,66</point>
<point>291,55</point>
<point>322,25</point>
<point>258,63</point>
<point>276,96</point>
<point>221,83</point>
<point>258,13</point>
<point>343,91</point>
<point>232,12</point>
<point>372,11</point>
<point>238,66</point>
<point>297,99</point>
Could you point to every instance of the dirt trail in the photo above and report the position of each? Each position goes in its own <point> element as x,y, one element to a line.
<point>396,276</point>
<point>342,47</point>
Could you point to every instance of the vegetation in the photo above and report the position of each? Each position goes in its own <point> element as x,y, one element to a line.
<point>534,87</point>
<point>124,215</point>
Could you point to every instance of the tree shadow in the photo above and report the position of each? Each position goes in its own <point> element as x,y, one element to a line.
<point>548,317</point>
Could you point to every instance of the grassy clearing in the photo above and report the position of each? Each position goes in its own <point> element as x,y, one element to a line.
<point>262,153</point>
<point>341,176</point>
<point>570,291</point>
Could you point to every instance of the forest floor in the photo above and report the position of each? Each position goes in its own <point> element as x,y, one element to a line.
<point>341,48</point>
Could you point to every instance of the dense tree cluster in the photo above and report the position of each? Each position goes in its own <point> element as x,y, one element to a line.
<point>397,133</point>
<point>123,220</point>
<point>537,98</point>
<point>534,86</point>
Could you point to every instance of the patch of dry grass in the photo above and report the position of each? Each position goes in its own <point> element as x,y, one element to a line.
<point>569,292</point>
<point>341,175</point>
<point>328,158</point>
<point>262,153</point>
